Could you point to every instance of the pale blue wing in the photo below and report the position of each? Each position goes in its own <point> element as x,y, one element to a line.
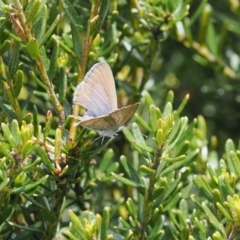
<point>97,92</point>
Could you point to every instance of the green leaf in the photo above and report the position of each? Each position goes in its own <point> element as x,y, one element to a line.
<point>72,14</point>
<point>14,60</point>
<point>32,74</point>
<point>153,117</point>
<point>105,223</point>
<point>204,24</point>
<point>33,11</point>
<point>200,230</point>
<point>30,186</point>
<point>40,23</point>
<point>107,158</point>
<point>145,148</point>
<point>6,212</point>
<point>8,136</point>
<point>172,202</point>
<point>235,163</point>
<point>170,97</point>
<point>5,46</point>
<point>167,110</point>
<point>77,42</point>
<point>224,187</point>
<point>35,122</point>
<point>18,82</point>
<point>102,15</point>
<point>49,31</point>
<point>58,146</point>
<point>173,139</point>
<point>27,148</point>
<point>182,105</point>
<point>149,99</point>
<point>62,86</point>
<point>44,57</point>
<point>53,61</point>
<point>32,165</point>
<point>4,183</point>
<point>44,157</point>
<point>77,226</point>
<point>179,164</point>
<point>212,219</point>
<point>15,132</point>
<point>131,208</point>
<point>224,211</point>
<point>197,13</point>
<point>171,187</point>
<point>128,182</point>
<point>142,122</point>
<point>47,124</point>
<point>204,187</point>
<point>130,170</point>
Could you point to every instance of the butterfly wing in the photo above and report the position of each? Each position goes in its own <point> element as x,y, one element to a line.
<point>121,116</point>
<point>112,121</point>
<point>97,92</point>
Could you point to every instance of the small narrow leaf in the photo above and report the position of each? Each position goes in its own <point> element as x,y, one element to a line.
<point>77,42</point>
<point>106,160</point>
<point>4,183</point>
<point>8,135</point>
<point>105,223</point>
<point>131,208</point>
<point>72,14</point>
<point>182,105</point>
<point>44,157</point>
<point>14,60</point>
<point>167,110</point>
<point>235,162</point>
<point>62,85</point>
<point>170,97</point>
<point>179,164</point>
<point>16,132</point>
<point>30,186</point>
<point>49,31</point>
<point>212,219</point>
<point>32,13</point>
<point>130,170</point>
<point>153,118</point>
<point>102,15</point>
<point>35,121</point>
<point>142,122</point>
<point>5,46</point>
<point>53,61</point>
<point>39,25</point>
<point>18,82</point>
<point>127,181</point>
<point>48,124</point>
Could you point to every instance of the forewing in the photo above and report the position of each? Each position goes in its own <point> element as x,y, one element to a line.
<point>122,115</point>
<point>97,92</point>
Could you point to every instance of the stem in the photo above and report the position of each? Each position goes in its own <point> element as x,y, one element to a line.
<point>148,195</point>
<point>58,203</point>
<point>51,92</point>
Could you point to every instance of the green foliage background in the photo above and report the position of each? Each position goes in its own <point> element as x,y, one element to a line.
<point>174,174</point>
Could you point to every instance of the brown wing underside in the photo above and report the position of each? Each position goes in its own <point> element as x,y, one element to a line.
<point>112,121</point>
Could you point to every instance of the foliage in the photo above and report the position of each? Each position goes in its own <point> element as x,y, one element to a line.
<point>163,178</point>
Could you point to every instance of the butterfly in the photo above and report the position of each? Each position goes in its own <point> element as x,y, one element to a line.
<point>97,94</point>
